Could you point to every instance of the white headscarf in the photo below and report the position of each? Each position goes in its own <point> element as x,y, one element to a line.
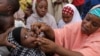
<point>76,16</point>
<point>48,18</point>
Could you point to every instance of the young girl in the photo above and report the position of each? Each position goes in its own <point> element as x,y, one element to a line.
<point>69,15</point>
<point>40,14</point>
<point>24,39</point>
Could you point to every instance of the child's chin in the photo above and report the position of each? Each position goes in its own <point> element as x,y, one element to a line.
<point>33,46</point>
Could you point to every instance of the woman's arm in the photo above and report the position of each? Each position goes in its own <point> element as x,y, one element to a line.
<point>65,52</point>
<point>50,46</point>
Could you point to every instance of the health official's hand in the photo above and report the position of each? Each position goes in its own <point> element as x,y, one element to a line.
<point>39,27</point>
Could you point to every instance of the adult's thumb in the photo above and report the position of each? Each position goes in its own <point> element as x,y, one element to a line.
<point>10,45</point>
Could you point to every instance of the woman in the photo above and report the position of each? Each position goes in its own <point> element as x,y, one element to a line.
<point>40,14</point>
<point>70,14</point>
<point>76,39</point>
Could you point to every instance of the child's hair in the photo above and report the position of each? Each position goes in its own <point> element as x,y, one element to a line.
<point>5,21</point>
<point>17,34</point>
<point>15,5</point>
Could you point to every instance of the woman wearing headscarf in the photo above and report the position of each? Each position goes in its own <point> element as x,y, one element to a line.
<point>40,14</point>
<point>70,14</point>
<point>76,39</point>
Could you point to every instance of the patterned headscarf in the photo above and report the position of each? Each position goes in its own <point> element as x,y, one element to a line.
<point>67,10</point>
<point>20,50</point>
<point>95,11</point>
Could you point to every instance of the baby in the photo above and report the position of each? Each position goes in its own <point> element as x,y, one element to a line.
<point>24,39</point>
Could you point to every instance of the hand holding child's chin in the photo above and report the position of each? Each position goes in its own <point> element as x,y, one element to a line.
<point>46,45</point>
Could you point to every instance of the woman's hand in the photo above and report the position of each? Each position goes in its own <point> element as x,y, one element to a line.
<point>3,39</point>
<point>42,27</point>
<point>47,45</point>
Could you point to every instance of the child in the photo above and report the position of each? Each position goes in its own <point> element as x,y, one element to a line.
<point>9,7</point>
<point>40,14</point>
<point>6,22</point>
<point>69,15</point>
<point>24,39</point>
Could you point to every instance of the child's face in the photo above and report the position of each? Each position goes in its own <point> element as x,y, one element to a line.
<point>28,38</point>
<point>9,22</point>
<point>41,8</point>
<point>90,24</point>
<point>67,18</point>
<point>3,6</point>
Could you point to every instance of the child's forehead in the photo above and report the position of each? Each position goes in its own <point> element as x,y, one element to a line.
<point>27,30</point>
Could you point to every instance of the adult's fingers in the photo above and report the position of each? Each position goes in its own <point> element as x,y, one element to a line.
<point>4,41</point>
<point>7,42</point>
<point>10,45</point>
<point>38,25</point>
<point>34,25</point>
<point>43,41</point>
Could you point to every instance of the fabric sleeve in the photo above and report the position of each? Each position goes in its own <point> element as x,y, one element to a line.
<point>91,49</point>
<point>61,36</point>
